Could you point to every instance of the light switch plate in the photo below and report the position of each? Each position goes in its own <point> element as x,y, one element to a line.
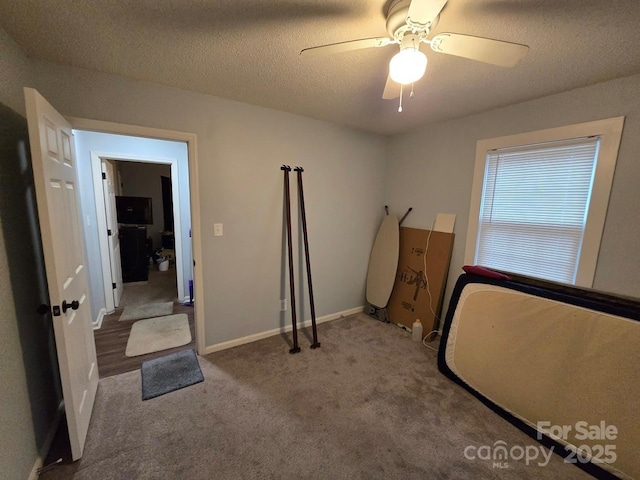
<point>217,229</point>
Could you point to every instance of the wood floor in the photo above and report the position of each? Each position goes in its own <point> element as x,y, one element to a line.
<point>111,342</point>
<point>111,338</point>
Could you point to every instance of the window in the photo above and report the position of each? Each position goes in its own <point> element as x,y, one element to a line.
<point>539,201</point>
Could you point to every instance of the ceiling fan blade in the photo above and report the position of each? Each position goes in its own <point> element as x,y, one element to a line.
<point>391,89</point>
<point>423,12</point>
<point>347,46</point>
<point>496,52</point>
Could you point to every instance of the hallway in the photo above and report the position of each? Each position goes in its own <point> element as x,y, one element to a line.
<point>111,339</point>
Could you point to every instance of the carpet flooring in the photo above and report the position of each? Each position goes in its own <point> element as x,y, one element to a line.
<point>161,287</point>
<point>368,404</point>
<point>156,334</point>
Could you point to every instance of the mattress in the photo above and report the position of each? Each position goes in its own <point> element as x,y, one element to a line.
<point>559,363</point>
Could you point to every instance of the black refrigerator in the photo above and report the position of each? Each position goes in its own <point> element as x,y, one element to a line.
<point>134,254</point>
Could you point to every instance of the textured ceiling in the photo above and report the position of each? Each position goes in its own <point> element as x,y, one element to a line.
<point>248,50</point>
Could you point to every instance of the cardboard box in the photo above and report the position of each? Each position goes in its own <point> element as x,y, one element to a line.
<point>410,299</point>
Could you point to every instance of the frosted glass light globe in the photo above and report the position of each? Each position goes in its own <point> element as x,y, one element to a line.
<point>407,66</point>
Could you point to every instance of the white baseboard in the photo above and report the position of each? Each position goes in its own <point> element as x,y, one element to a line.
<point>98,323</point>
<point>46,445</point>
<point>276,331</point>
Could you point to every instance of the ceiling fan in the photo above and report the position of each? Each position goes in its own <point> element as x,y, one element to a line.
<point>409,23</point>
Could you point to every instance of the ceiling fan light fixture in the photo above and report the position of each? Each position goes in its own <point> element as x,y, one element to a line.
<point>407,66</point>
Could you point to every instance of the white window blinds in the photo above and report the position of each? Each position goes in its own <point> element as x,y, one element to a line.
<point>534,207</point>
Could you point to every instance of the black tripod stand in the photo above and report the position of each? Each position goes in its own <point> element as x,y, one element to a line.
<point>287,199</point>
<point>287,206</point>
<point>303,214</point>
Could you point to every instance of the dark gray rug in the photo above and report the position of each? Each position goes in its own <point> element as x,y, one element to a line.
<point>170,373</point>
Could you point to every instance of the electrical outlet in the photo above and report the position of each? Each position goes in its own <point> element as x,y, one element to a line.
<point>283,304</point>
<point>217,229</point>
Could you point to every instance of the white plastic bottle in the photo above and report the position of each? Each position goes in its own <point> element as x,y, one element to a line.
<point>416,331</point>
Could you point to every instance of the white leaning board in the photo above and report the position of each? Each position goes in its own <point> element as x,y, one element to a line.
<point>444,222</point>
<point>383,263</point>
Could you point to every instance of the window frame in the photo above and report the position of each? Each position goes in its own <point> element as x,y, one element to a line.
<point>610,133</point>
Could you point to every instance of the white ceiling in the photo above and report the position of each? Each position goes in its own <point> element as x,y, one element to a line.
<point>248,50</point>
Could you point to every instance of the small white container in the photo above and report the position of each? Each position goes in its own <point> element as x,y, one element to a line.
<point>416,331</point>
<point>163,266</point>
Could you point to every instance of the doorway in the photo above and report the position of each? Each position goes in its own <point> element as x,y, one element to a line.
<point>139,241</point>
<point>191,179</point>
<point>142,217</point>
<point>144,274</point>
<point>139,209</point>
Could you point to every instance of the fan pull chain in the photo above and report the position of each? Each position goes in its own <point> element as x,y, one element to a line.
<point>411,94</point>
<point>400,107</point>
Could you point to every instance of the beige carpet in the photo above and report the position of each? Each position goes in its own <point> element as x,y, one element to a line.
<point>369,404</point>
<point>149,310</point>
<point>161,287</point>
<point>160,333</point>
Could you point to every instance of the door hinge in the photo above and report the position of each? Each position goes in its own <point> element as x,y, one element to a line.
<point>56,310</point>
<point>113,285</point>
<point>104,176</point>
<point>43,309</point>
<point>109,232</point>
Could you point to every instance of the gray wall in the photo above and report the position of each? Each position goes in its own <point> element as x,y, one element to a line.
<point>15,70</point>
<point>240,150</point>
<point>432,170</point>
<point>29,392</point>
<point>143,180</point>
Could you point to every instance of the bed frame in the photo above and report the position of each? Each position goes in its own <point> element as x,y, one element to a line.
<point>560,363</point>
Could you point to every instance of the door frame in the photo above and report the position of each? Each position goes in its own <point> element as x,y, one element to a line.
<point>192,152</point>
<point>98,189</point>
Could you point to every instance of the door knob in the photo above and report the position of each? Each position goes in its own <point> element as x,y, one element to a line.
<point>74,305</point>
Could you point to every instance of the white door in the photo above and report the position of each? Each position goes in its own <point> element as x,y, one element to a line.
<point>109,190</point>
<point>54,171</point>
